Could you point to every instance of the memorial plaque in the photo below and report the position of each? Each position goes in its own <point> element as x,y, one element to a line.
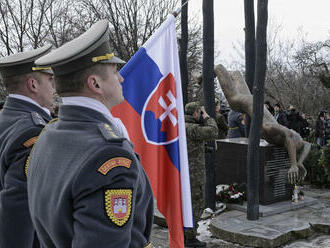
<point>231,164</point>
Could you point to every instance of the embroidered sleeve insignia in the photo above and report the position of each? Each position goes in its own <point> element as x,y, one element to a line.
<point>30,141</point>
<point>114,162</point>
<point>118,204</point>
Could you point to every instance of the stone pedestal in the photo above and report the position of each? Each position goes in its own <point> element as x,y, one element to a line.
<point>231,164</point>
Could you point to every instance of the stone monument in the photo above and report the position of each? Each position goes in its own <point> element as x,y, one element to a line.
<point>231,164</point>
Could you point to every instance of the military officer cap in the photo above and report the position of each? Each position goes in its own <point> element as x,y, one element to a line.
<point>85,51</point>
<point>191,107</point>
<point>23,63</point>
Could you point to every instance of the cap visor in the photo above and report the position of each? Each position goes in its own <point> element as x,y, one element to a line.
<point>113,60</point>
<point>49,71</point>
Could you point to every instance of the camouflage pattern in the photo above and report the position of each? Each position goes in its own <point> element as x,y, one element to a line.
<point>197,134</point>
<point>222,126</point>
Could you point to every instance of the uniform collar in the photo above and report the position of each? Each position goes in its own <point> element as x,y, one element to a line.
<point>28,99</point>
<point>87,102</point>
<point>99,107</point>
<point>17,104</point>
<point>80,113</point>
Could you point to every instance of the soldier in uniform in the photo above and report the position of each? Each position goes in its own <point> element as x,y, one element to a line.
<point>221,121</point>
<point>86,185</point>
<point>22,118</point>
<point>200,127</point>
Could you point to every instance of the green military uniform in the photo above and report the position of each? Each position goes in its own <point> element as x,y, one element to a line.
<point>197,133</point>
<point>222,125</point>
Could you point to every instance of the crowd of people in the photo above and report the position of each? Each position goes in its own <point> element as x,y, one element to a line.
<point>298,122</point>
<point>290,118</point>
<point>322,128</point>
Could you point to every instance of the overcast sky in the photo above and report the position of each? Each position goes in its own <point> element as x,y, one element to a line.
<point>310,16</point>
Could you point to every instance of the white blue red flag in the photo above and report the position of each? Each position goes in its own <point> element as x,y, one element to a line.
<point>153,115</point>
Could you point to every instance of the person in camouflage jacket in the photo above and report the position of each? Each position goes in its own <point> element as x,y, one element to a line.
<point>200,127</point>
<point>221,121</point>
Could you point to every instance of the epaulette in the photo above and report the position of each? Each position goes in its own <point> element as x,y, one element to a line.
<point>37,119</point>
<point>109,134</point>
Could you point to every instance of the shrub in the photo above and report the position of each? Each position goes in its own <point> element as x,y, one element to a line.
<point>311,163</point>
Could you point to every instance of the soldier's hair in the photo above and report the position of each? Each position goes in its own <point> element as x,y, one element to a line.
<point>74,82</point>
<point>14,83</point>
<point>191,107</point>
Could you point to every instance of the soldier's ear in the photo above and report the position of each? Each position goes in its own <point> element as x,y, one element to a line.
<point>31,84</point>
<point>93,84</point>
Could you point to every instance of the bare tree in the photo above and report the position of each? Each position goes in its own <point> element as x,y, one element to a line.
<point>295,69</point>
<point>314,58</point>
<point>293,80</point>
<point>132,22</point>
<point>65,21</point>
<point>36,31</point>
<point>13,25</point>
<point>26,24</point>
<point>5,31</point>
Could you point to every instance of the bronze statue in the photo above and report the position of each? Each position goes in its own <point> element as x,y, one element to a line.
<point>240,99</point>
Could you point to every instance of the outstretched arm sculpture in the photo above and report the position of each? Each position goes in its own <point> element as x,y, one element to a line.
<point>240,99</point>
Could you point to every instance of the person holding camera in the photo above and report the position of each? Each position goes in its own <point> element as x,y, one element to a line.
<point>221,121</point>
<point>200,127</point>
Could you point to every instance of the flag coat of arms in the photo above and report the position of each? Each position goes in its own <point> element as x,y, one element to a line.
<point>154,118</point>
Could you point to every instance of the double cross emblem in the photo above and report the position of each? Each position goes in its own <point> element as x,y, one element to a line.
<point>168,108</point>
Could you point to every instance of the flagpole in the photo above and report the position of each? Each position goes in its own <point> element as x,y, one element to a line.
<point>177,12</point>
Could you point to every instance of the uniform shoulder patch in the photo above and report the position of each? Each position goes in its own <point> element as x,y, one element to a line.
<point>113,163</point>
<point>118,205</point>
<point>37,119</point>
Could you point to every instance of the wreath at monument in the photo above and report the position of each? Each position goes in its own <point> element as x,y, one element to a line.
<point>233,193</point>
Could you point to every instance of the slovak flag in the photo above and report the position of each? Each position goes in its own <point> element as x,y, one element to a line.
<point>154,118</point>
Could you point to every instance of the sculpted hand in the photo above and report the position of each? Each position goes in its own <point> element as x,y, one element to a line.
<point>302,172</point>
<point>293,174</point>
